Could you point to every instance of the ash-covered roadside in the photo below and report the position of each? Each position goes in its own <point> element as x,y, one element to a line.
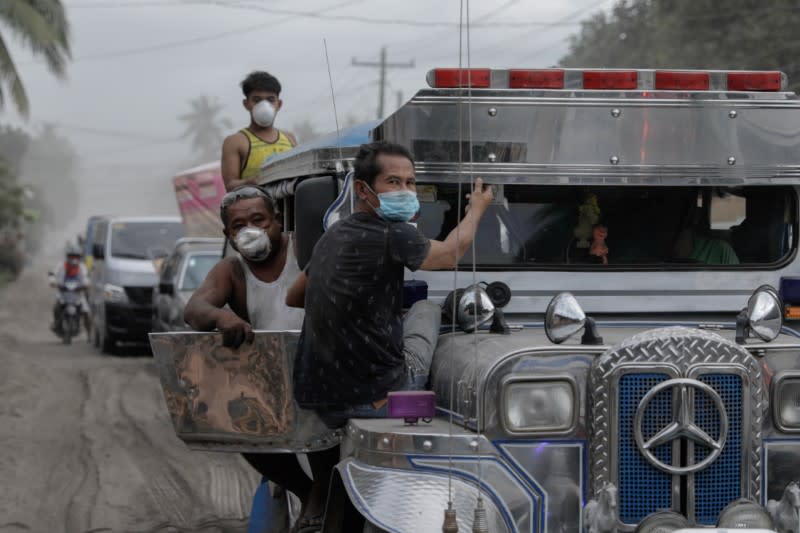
<point>85,440</point>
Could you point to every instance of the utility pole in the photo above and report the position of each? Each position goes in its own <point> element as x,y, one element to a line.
<point>399,99</point>
<point>382,65</point>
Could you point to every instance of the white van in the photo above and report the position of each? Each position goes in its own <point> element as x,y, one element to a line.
<point>126,253</point>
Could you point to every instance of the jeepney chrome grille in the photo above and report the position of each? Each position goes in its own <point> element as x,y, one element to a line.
<point>643,489</point>
<point>720,483</point>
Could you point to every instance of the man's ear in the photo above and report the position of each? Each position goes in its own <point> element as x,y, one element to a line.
<point>245,103</point>
<point>278,104</point>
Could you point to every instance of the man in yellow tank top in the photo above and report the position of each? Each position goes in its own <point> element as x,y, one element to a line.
<point>245,151</point>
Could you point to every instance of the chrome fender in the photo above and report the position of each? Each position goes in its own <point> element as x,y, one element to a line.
<point>403,501</point>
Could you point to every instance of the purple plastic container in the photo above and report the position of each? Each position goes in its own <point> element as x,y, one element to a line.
<point>412,405</point>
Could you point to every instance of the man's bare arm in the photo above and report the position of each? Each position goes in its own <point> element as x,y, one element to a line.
<point>205,306</point>
<point>231,163</point>
<point>446,254</point>
<point>296,295</point>
<point>292,138</point>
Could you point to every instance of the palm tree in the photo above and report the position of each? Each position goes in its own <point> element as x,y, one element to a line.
<point>205,129</point>
<point>41,25</point>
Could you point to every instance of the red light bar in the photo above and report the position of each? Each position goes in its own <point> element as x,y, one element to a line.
<point>754,81</point>
<point>536,79</point>
<point>453,78</point>
<point>610,79</point>
<point>671,80</point>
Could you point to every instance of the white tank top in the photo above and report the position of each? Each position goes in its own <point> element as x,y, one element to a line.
<point>266,302</point>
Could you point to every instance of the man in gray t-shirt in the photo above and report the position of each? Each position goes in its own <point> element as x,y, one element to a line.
<point>355,346</point>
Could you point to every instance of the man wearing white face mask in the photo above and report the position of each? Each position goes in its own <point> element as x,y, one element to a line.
<point>246,292</point>
<point>253,283</point>
<point>245,151</point>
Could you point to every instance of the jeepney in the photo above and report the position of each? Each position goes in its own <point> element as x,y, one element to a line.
<point>651,386</point>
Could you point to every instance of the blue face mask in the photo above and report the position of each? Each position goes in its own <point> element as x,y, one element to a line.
<point>396,206</point>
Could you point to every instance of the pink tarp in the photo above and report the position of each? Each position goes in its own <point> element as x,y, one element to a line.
<point>199,192</point>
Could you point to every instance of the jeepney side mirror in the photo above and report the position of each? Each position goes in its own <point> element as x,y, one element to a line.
<point>762,318</point>
<point>564,318</point>
<point>312,197</point>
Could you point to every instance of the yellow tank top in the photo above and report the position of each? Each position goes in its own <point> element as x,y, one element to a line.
<point>260,150</point>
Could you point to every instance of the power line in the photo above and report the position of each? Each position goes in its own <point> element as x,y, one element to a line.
<point>320,15</point>
<point>189,42</point>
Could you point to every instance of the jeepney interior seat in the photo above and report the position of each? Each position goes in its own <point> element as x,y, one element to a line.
<point>761,237</point>
<point>312,197</point>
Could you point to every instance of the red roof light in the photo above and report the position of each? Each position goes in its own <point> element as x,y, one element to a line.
<point>610,79</point>
<point>671,80</point>
<point>536,79</point>
<point>755,81</point>
<point>453,78</point>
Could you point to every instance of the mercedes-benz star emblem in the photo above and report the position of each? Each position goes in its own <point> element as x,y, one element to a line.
<point>682,425</point>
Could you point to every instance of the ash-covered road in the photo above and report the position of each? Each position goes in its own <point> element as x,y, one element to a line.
<point>85,441</point>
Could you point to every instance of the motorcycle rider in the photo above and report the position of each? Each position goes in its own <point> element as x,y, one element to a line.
<point>72,269</point>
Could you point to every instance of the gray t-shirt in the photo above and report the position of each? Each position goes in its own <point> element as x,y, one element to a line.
<point>351,346</point>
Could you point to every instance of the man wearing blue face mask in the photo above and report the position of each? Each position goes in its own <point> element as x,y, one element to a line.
<point>355,345</point>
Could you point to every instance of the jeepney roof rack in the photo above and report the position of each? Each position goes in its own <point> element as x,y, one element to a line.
<point>319,156</point>
<point>609,79</point>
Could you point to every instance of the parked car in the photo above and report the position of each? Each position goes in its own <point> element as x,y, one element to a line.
<point>181,273</point>
<point>127,252</point>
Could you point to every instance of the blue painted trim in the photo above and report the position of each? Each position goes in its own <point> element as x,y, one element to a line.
<point>498,501</point>
<point>584,457</point>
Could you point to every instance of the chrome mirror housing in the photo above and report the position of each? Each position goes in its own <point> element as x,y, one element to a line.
<point>763,316</point>
<point>563,318</point>
<point>475,308</point>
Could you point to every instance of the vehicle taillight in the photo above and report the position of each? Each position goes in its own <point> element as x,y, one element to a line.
<point>536,79</point>
<point>610,79</point>
<point>671,80</point>
<point>452,78</point>
<point>754,81</point>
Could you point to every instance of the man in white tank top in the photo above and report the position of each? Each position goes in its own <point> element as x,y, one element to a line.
<point>247,291</point>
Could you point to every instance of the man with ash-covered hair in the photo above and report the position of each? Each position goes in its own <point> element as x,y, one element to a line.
<point>244,151</point>
<point>246,291</point>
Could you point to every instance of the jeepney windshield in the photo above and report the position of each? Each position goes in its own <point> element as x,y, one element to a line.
<point>532,226</point>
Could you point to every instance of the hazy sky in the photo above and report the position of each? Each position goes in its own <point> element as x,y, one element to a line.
<point>136,63</point>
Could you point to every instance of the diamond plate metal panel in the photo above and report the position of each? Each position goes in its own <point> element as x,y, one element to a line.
<point>681,348</point>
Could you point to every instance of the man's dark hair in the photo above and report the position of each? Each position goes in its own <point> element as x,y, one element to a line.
<point>245,192</point>
<point>260,81</point>
<point>366,167</point>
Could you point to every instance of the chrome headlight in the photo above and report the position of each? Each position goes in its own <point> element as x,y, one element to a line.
<point>744,514</point>
<point>540,405</point>
<point>786,401</point>
<point>662,522</point>
<point>114,294</point>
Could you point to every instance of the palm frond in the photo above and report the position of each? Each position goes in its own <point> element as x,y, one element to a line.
<point>10,77</point>
<point>42,27</point>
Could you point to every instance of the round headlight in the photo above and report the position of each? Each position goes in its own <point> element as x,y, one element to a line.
<point>475,308</point>
<point>662,522</point>
<point>744,514</point>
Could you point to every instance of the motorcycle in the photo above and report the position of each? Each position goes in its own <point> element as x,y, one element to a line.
<point>70,295</point>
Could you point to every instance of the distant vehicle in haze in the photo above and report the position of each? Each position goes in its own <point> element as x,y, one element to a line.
<point>181,273</point>
<point>127,254</point>
<point>87,239</point>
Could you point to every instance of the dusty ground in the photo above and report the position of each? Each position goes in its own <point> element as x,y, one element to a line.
<point>85,441</point>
